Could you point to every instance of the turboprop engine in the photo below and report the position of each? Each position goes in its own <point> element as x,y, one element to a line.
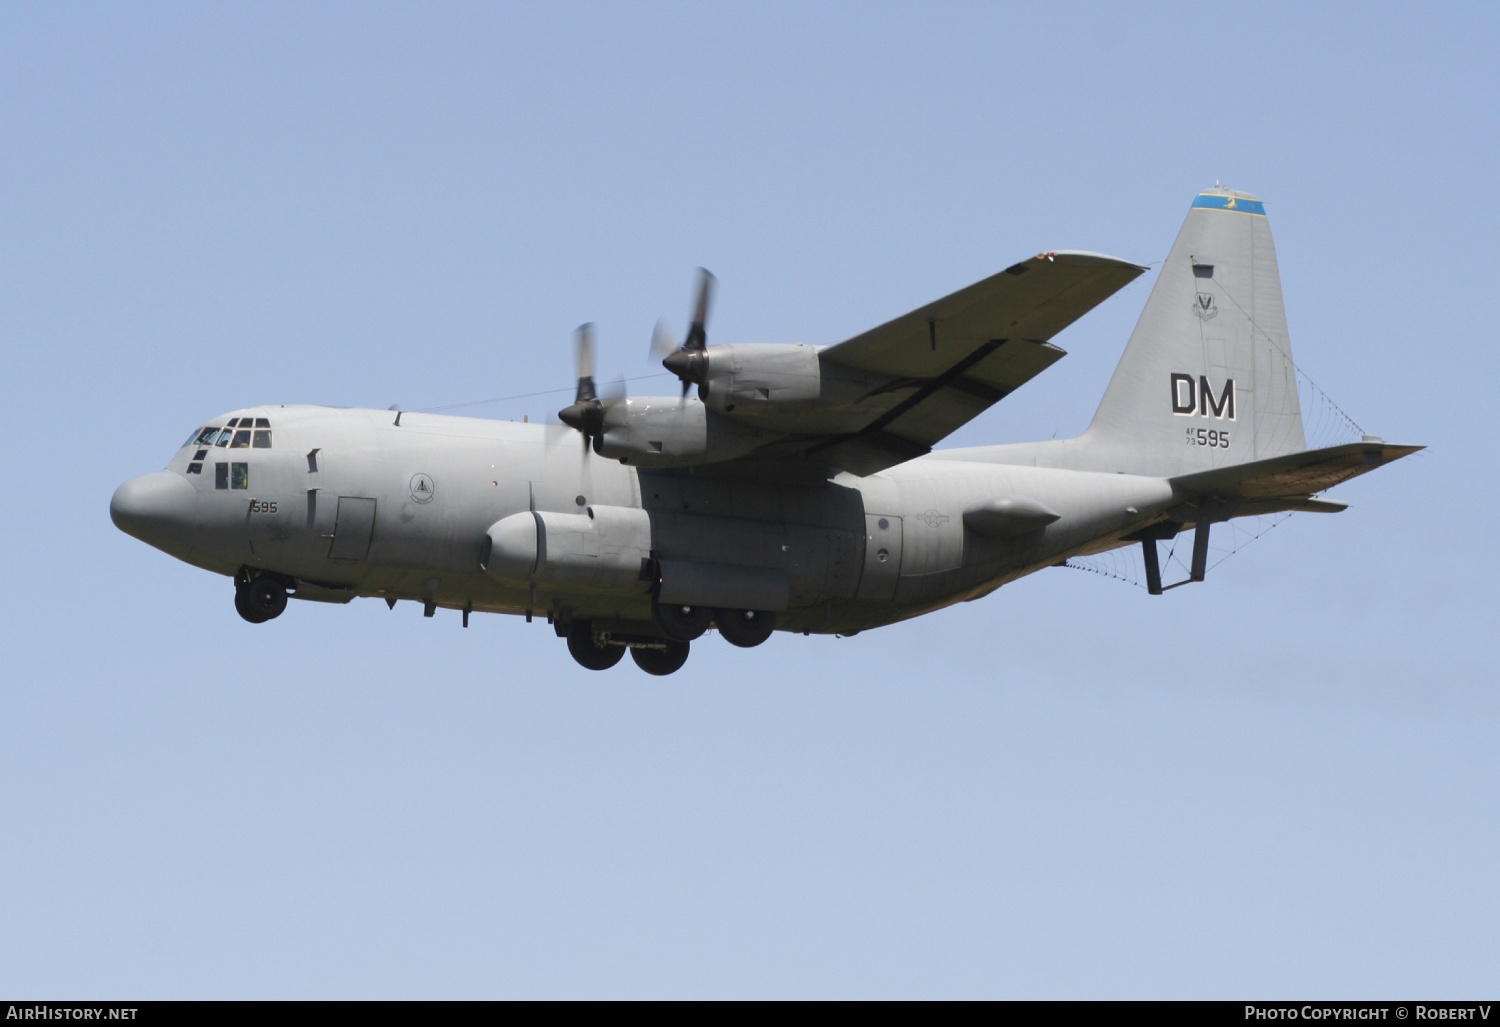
<point>749,395</point>
<point>754,373</point>
<point>670,432</point>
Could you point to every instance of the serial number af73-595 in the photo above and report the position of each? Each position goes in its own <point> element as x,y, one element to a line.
<point>1210,437</point>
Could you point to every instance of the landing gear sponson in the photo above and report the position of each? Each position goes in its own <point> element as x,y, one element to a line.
<point>597,649</point>
<point>259,597</point>
<point>601,650</point>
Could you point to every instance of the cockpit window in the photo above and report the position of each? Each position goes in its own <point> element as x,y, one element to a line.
<point>231,476</point>
<point>238,433</point>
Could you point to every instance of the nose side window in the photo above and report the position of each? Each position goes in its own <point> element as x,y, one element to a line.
<point>239,476</point>
<point>221,475</point>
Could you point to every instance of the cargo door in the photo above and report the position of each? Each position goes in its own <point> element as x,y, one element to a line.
<point>352,529</point>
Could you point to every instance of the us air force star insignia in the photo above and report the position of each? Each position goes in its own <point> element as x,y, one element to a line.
<point>422,489</point>
<point>1205,307</point>
<point>932,518</point>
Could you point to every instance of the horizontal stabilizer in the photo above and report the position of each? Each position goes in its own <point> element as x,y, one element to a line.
<point>1293,476</point>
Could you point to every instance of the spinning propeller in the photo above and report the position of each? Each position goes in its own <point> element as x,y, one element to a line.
<point>586,414</point>
<point>689,362</point>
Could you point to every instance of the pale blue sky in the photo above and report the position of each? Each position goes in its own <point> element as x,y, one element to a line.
<point>1285,781</point>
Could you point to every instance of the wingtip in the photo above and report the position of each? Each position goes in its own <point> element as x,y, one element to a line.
<point>1090,257</point>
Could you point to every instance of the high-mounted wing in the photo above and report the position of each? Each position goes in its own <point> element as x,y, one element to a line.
<point>881,398</point>
<point>947,362</point>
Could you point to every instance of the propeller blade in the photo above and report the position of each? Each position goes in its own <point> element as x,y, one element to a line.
<point>690,362</point>
<point>613,393</point>
<point>585,346</point>
<point>585,415</point>
<point>663,340</point>
<point>553,431</point>
<point>698,332</point>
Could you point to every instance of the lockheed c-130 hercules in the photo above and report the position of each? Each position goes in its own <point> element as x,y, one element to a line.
<point>797,490</point>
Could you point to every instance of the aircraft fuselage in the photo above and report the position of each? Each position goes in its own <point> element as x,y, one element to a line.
<point>349,502</point>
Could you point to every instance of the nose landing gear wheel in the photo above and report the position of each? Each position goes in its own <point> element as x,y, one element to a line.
<point>661,662</point>
<point>745,628</point>
<point>590,654</point>
<point>682,623</point>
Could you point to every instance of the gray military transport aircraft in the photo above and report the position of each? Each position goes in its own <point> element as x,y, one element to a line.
<point>798,489</point>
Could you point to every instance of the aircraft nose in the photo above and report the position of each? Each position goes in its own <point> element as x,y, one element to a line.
<point>155,508</point>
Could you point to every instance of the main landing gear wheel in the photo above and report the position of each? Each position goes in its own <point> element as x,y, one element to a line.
<point>745,628</point>
<point>662,662</point>
<point>589,653</point>
<point>682,623</point>
<point>242,607</point>
<point>260,600</point>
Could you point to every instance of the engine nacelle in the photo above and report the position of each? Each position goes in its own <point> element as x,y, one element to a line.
<point>607,548</point>
<point>658,431</point>
<point>761,373</point>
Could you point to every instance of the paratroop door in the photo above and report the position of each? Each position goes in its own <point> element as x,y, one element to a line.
<point>352,529</point>
<point>877,583</point>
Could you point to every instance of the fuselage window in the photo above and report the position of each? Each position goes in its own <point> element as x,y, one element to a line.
<point>192,435</point>
<point>239,476</point>
<point>206,436</point>
<point>233,421</point>
<point>262,422</point>
<point>224,437</point>
<point>200,454</point>
<point>221,475</point>
<point>262,438</point>
<point>195,468</point>
<point>241,440</point>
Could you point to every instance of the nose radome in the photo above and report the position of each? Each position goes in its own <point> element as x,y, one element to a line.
<point>155,508</point>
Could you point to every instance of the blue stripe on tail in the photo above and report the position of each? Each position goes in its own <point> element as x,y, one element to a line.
<point>1238,204</point>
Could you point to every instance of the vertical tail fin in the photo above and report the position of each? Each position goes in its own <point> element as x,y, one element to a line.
<point>1207,379</point>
